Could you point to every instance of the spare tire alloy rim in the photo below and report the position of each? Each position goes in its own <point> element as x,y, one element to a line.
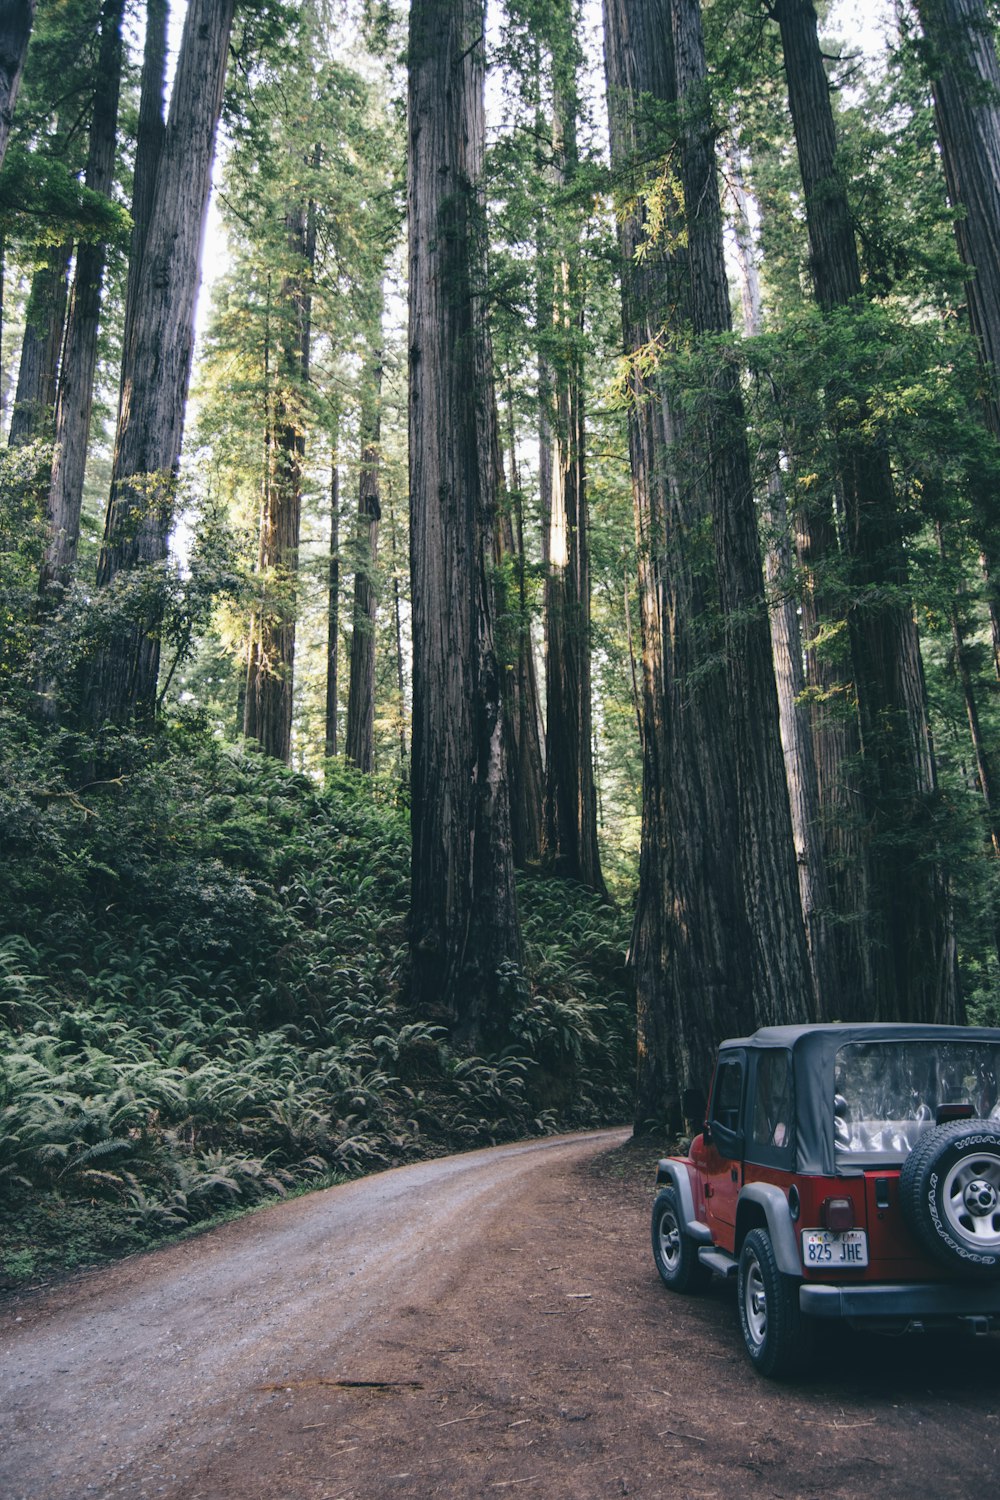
<point>971,1197</point>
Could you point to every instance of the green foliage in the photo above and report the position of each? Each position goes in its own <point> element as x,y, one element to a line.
<point>202,965</point>
<point>45,201</point>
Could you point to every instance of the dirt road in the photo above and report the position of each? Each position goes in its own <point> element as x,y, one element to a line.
<point>473,1327</point>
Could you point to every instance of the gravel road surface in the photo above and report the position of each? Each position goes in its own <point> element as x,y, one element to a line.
<point>482,1325</point>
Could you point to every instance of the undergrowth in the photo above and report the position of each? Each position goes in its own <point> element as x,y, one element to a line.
<point>202,959</point>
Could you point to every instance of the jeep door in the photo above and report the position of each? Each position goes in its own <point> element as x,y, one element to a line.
<point>723,1168</point>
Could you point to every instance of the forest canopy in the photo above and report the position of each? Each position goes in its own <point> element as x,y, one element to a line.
<point>498,547</point>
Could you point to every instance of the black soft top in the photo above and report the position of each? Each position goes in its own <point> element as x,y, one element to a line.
<point>814,1054</point>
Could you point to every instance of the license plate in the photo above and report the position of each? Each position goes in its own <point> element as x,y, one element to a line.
<point>823,1247</point>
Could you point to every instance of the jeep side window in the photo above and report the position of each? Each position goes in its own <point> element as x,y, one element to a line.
<point>727,1101</point>
<point>773,1110</point>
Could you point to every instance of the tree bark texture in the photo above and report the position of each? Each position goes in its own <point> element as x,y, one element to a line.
<point>333,605</point>
<point>786,647</point>
<point>910,922</point>
<point>783,989</point>
<point>38,371</point>
<point>403,758</point>
<point>359,744</point>
<point>16,19</point>
<point>569,838</point>
<point>269,704</point>
<point>464,932</point>
<point>76,382</point>
<point>961,60</point>
<point>157,360</point>
<point>151,133</point>
<point>690,937</point>
<point>527,773</point>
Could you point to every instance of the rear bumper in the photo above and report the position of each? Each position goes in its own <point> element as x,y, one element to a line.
<point>907,1302</point>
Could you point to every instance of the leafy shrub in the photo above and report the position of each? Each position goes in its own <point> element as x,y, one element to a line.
<point>202,959</point>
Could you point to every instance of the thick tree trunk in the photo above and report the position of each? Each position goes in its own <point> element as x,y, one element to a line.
<point>961,61</point>
<point>269,706</point>
<point>786,645</point>
<point>158,363</point>
<point>464,932</point>
<point>16,18</point>
<point>359,744</point>
<point>911,931</point>
<point>690,937</point>
<point>151,133</point>
<point>782,981</point>
<point>76,384</point>
<point>38,372</point>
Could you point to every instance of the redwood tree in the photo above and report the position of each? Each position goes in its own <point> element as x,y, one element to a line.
<point>781,976</point>
<point>158,360</point>
<point>909,918</point>
<point>76,382</point>
<point>961,59</point>
<point>569,840</point>
<point>268,706</point>
<point>691,934</point>
<point>359,746</point>
<point>464,934</point>
<point>16,18</point>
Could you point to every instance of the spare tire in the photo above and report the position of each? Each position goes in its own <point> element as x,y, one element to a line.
<point>949,1189</point>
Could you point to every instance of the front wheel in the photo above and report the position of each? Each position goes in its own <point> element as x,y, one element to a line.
<point>674,1251</point>
<point>777,1337</point>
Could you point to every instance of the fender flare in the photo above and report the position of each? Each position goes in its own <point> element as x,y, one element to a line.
<point>672,1172</point>
<point>780,1228</point>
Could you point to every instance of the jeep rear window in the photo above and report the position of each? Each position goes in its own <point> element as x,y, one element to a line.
<point>888,1093</point>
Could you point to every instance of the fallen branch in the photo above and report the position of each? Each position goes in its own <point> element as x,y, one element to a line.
<point>344,1385</point>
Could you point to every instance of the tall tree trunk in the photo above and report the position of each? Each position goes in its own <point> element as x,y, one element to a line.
<point>961,60</point>
<point>38,372</point>
<point>360,737</point>
<point>690,935</point>
<point>986,775</point>
<point>779,962</point>
<point>3,315</point>
<point>16,18</point>
<point>569,842</point>
<point>464,931</point>
<point>403,761</point>
<point>150,136</point>
<point>158,361</point>
<point>527,776</point>
<point>269,704</point>
<point>76,383</point>
<point>786,645</point>
<point>333,602</point>
<point>914,947</point>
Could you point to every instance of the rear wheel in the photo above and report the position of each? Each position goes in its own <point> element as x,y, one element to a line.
<point>777,1337</point>
<point>674,1251</point>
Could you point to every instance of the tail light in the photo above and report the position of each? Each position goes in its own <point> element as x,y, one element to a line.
<point>838,1214</point>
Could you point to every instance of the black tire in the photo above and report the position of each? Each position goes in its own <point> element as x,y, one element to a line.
<point>778,1339</point>
<point>674,1251</point>
<point>949,1190</point>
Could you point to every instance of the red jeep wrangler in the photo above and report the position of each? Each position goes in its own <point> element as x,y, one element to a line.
<point>847,1172</point>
